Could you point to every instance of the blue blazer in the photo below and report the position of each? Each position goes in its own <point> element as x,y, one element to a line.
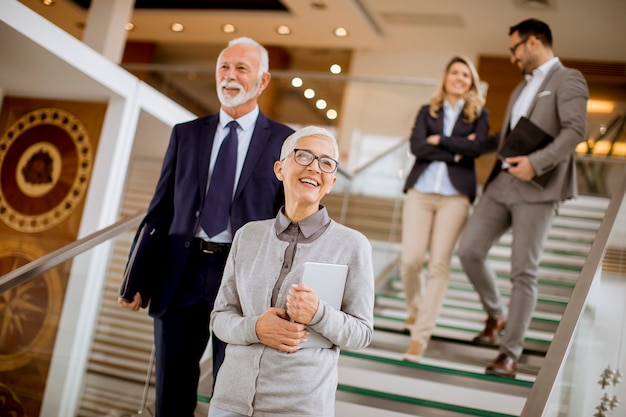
<point>174,212</point>
<point>462,173</point>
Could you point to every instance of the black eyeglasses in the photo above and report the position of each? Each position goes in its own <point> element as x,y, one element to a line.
<point>514,47</point>
<point>305,158</point>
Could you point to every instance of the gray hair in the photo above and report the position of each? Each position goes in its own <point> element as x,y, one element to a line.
<point>290,143</point>
<point>264,63</point>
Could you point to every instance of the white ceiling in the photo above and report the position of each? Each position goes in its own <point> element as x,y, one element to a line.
<point>583,29</point>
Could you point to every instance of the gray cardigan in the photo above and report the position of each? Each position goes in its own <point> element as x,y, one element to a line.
<point>261,381</point>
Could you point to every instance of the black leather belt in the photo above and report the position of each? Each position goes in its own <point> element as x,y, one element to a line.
<point>212,248</point>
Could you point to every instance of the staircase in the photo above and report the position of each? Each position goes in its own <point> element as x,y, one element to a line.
<point>376,381</point>
<point>450,381</point>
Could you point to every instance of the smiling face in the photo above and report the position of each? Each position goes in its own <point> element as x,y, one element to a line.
<point>521,53</point>
<point>305,185</point>
<point>237,76</point>
<point>458,81</point>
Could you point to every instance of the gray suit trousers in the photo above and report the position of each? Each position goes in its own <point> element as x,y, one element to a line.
<point>499,208</point>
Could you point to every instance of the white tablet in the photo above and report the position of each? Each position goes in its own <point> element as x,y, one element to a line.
<point>328,281</point>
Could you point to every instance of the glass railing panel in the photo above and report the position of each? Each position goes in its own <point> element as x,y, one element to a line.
<point>581,374</point>
<point>60,356</point>
<point>119,360</point>
<point>29,320</point>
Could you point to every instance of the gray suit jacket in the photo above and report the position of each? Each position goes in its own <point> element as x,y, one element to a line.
<point>560,109</point>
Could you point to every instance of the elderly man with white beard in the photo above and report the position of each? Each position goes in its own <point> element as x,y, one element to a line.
<point>217,175</point>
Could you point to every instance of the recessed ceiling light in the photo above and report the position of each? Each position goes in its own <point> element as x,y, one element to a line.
<point>341,32</point>
<point>309,93</point>
<point>229,28</point>
<point>296,82</point>
<point>177,27</point>
<point>47,2</point>
<point>331,114</point>
<point>321,104</point>
<point>335,69</point>
<point>283,30</point>
<point>130,26</point>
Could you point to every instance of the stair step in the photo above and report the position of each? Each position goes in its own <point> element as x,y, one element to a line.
<point>463,330</point>
<point>432,386</point>
<point>450,380</point>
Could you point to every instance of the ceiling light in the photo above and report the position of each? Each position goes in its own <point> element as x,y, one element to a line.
<point>331,114</point>
<point>320,104</point>
<point>335,69</point>
<point>296,82</point>
<point>229,28</point>
<point>130,26</point>
<point>341,32</point>
<point>600,106</point>
<point>309,93</point>
<point>47,2</point>
<point>283,30</point>
<point>177,27</point>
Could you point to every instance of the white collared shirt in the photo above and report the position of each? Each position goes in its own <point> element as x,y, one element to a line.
<point>529,91</point>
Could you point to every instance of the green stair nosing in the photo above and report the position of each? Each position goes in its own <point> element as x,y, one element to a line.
<point>502,276</point>
<point>578,253</point>
<point>475,310</point>
<point>203,398</point>
<point>545,265</point>
<point>420,402</point>
<point>449,327</point>
<point>437,369</point>
<point>540,282</point>
<point>505,294</point>
<point>526,339</point>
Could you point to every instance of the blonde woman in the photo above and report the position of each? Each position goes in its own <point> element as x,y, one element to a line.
<point>448,134</point>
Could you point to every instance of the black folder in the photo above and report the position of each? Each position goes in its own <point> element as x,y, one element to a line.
<point>524,139</point>
<point>144,265</point>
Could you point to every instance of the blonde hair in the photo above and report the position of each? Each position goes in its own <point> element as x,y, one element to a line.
<point>474,100</point>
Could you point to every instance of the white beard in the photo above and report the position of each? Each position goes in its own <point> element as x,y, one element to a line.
<point>241,97</point>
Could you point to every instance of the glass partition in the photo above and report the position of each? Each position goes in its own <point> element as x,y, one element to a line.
<point>29,321</point>
<point>583,370</point>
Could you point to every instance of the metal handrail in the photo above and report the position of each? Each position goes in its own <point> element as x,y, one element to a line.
<point>40,265</point>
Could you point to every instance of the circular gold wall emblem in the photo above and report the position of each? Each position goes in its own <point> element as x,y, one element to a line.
<point>45,161</point>
<point>30,311</point>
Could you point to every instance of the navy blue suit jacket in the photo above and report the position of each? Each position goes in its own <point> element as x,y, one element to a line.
<point>462,173</point>
<point>180,194</point>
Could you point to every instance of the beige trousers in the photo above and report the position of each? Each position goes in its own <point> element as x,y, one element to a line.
<point>429,222</point>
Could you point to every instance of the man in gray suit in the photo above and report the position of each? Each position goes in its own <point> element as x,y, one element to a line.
<point>524,192</point>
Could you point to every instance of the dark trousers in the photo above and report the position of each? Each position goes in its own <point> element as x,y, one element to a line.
<point>182,333</point>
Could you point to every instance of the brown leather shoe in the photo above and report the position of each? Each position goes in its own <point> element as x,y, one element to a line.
<point>503,365</point>
<point>489,335</point>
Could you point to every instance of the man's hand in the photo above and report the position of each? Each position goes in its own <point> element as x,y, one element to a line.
<point>521,167</point>
<point>274,329</point>
<point>130,305</point>
<point>302,303</point>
